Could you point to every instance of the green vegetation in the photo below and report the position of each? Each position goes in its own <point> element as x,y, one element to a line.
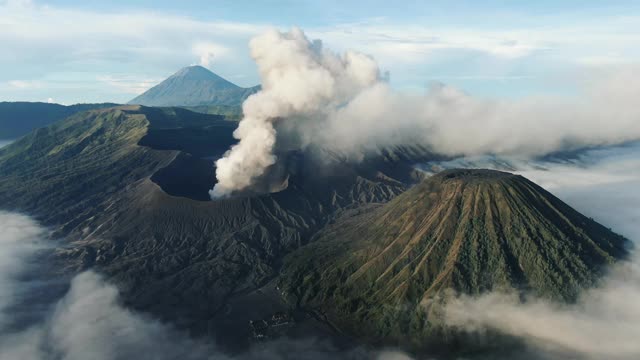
<point>63,170</point>
<point>381,273</point>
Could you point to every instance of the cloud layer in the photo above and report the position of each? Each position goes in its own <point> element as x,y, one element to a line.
<point>88,323</point>
<point>454,123</point>
<point>20,238</point>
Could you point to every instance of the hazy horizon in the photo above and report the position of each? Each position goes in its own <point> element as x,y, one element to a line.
<point>66,52</point>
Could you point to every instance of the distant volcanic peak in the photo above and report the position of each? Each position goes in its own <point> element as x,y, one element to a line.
<point>194,86</point>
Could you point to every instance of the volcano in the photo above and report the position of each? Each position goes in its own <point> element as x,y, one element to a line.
<point>379,271</point>
<point>195,86</point>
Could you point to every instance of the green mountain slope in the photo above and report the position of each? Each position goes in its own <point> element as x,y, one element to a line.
<point>196,87</point>
<point>64,169</point>
<point>19,118</point>
<point>379,273</point>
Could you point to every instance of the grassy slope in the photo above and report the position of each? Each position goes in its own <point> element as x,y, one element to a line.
<point>68,167</point>
<point>377,273</point>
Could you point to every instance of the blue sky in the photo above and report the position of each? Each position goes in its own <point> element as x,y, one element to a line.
<point>94,51</point>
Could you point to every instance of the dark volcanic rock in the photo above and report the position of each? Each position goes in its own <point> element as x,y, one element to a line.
<point>127,188</point>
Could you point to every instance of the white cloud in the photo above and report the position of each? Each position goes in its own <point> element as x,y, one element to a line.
<point>415,43</point>
<point>208,51</point>
<point>25,84</point>
<point>16,3</point>
<point>55,44</point>
<point>150,44</point>
<point>570,42</point>
<point>129,84</point>
<point>605,60</point>
<point>20,238</point>
<point>40,24</point>
<point>89,323</point>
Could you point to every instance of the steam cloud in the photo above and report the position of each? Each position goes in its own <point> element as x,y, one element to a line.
<point>340,102</point>
<point>299,79</point>
<point>605,323</point>
<point>207,52</point>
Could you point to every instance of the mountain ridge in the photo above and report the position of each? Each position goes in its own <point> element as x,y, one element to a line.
<point>17,118</point>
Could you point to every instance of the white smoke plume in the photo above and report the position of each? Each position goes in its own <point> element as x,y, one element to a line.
<point>208,51</point>
<point>605,322</point>
<point>300,78</point>
<point>342,103</point>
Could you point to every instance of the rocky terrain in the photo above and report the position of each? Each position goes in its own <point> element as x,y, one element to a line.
<point>127,188</point>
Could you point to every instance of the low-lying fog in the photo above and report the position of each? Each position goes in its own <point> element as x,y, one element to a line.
<point>4,143</point>
<point>88,322</point>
